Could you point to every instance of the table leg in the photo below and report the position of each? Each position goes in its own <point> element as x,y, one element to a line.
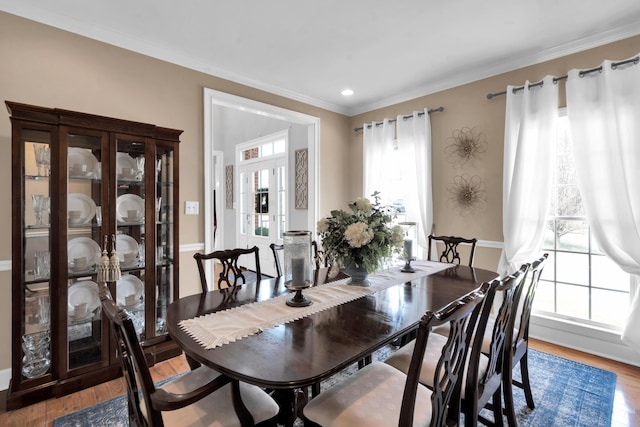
<point>291,402</point>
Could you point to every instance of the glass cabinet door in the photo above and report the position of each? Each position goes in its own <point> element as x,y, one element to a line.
<point>164,236</point>
<point>84,217</point>
<point>35,339</point>
<point>130,215</point>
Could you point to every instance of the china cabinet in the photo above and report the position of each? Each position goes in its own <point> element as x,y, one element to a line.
<point>77,178</point>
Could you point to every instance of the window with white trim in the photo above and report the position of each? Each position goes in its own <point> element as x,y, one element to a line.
<point>579,282</point>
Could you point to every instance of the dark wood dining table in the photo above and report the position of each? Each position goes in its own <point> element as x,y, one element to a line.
<point>304,352</point>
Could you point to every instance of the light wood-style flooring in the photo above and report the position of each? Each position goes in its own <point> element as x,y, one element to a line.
<point>626,412</point>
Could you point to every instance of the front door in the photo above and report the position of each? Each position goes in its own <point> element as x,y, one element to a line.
<point>261,215</point>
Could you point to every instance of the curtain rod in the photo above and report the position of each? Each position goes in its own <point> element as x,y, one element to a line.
<point>433,110</point>
<point>582,73</point>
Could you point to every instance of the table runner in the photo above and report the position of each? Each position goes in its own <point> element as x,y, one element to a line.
<point>222,327</point>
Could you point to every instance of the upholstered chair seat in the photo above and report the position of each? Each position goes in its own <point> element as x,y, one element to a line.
<point>378,390</point>
<point>213,410</point>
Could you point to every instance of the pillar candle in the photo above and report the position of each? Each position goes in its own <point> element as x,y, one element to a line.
<point>297,271</point>
<point>408,248</point>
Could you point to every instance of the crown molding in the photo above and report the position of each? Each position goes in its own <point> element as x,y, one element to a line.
<point>106,35</point>
<point>525,59</point>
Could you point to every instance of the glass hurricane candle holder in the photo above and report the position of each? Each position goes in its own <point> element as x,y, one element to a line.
<point>298,270</point>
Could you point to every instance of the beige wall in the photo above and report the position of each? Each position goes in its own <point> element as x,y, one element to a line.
<point>467,106</point>
<point>49,67</point>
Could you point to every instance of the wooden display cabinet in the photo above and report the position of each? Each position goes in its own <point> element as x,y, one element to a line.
<point>76,178</point>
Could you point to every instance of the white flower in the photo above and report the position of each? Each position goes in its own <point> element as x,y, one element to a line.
<point>358,234</point>
<point>363,204</point>
<point>323,225</point>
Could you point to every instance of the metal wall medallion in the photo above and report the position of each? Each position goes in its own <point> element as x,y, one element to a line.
<point>467,194</point>
<point>302,178</point>
<point>465,147</point>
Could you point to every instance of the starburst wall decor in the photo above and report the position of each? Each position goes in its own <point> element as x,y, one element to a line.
<point>465,147</point>
<point>467,194</point>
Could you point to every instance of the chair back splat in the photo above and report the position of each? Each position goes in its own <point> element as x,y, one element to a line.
<point>199,397</point>
<point>484,376</point>
<point>379,391</point>
<point>450,253</point>
<point>228,258</point>
<point>461,316</point>
<point>520,350</point>
<point>276,258</point>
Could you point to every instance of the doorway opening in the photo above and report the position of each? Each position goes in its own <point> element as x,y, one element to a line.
<point>230,120</point>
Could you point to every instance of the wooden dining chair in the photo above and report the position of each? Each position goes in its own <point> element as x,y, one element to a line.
<point>520,347</point>
<point>483,376</point>
<point>231,271</point>
<point>450,252</point>
<point>380,393</point>
<point>201,397</point>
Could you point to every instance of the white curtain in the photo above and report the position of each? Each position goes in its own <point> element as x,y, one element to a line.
<point>529,150</point>
<point>603,109</point>
<point>377,146</point>
<point>414,143</point>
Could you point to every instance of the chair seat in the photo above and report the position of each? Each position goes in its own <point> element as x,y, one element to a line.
<point>214,410</point>
<point>375,389</point>
<point>402,358</point>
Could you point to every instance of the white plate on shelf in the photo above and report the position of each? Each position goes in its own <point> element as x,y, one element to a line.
<point>123,160</point>
<point>129,202</point>
<point>81,156</point>
<point>129,286</point>
<point>84,204</point>
<point>124,244</point>
<point>84,247</point>
<point>83,292</point>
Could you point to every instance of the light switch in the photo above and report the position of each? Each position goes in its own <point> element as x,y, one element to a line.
<point>191,208</point>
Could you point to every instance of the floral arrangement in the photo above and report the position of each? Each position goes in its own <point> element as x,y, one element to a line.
<point>362,236</point>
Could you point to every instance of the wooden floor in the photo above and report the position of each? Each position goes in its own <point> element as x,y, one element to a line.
<point>626,410</point>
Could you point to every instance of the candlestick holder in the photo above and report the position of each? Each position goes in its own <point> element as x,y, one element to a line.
<point>410,236</point>
<point>297,265</point>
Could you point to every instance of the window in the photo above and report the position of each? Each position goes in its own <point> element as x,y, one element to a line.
<point>268,146</point>
<point>579,282</point>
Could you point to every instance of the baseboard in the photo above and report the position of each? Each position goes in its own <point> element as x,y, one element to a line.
<point>599,342</point>
<point>5,378</point>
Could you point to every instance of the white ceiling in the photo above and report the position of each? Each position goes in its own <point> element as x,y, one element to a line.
<point>386,51</point>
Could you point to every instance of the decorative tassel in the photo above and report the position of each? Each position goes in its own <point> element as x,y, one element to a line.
<point>103,265</point>
<point>114,262</point>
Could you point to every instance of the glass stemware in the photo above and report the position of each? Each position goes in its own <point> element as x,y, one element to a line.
<point>43,159</point>
<point>140,167</point>
<point>41,204</point>
<point>37,356</point>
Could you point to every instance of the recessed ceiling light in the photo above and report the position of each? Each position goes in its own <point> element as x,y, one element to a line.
<point>347,92</point>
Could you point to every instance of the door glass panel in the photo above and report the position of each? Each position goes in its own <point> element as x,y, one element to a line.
<point>164,248</point>
<point>282,197</point>
<point>130,215</point>
<point>260,213</point>
<point>84,238</point>
<point>36,336</point>
<point>244,211</point>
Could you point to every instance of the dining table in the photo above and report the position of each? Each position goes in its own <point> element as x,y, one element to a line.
<point>291,353</point>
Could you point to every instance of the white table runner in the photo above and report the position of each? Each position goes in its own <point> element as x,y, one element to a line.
<point>222,327</point>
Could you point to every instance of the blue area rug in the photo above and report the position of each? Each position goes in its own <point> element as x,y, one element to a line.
<point>566,394</point>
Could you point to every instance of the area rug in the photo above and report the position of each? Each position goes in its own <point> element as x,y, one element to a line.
<point>566,394</point>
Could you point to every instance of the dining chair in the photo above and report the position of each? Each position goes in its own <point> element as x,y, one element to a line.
<point>483,375</point>
<point>228,259</point>
<point>520,347</point>
<point>379,394</point>
<point>275,248</point>
<point>450,252</point>
<point>201,397</point>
